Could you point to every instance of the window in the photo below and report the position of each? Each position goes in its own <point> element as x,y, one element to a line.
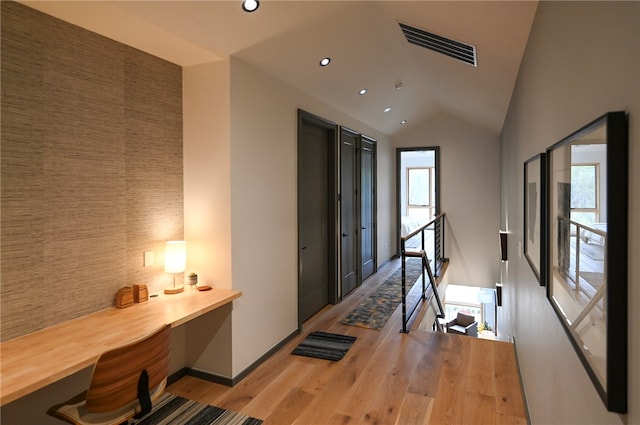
<point>452,310</point>
<point>420,192</point>
<point>584,193</point>
<point>465,299</point>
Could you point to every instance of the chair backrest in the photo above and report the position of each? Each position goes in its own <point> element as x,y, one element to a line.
<point>114,383</point>
<point>464,319</point>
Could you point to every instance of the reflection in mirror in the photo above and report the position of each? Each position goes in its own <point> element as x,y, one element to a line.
<point>578,258</point>
<point>587,219</point>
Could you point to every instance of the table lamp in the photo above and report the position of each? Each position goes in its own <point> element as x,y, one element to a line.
<point>175,259</point>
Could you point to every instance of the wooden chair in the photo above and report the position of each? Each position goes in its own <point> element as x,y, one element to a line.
<point>125,381</point>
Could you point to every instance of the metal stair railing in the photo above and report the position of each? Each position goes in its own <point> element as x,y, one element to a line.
<point>438,249</point>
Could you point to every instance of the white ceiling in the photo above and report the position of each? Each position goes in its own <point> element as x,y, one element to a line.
<point>288,38</point>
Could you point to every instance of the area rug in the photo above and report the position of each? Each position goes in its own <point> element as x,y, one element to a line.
<point>172,409</point>
<point>374,311</point>
<point>324,345</point>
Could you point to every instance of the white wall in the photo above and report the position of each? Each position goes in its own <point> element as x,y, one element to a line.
<point>240,174</point>
<point>207,204</point>
<point>470,196</point>
<point>582,60</point>
<point>264,206</point>
<point>207,171</point>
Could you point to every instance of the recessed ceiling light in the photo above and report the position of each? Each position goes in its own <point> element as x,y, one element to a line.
<point>363,91</point>
<point>387,109</point>
<point>403,122</point>
<point>325,61</point>
<point>250,5</point>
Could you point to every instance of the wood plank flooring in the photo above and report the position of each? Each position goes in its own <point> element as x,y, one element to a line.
<point>387,377</point>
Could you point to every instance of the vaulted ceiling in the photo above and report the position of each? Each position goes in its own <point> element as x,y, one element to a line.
<point>368,50</point>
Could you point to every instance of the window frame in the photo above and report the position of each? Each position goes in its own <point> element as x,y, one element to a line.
<point>596,209</point>
<point>429,207</point>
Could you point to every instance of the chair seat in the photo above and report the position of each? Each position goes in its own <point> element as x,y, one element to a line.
<point>457,329</point>
<point>75,410</point>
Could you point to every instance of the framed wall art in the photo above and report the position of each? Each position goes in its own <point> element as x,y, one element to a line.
<point>534,215</point>
<point>587,225</point>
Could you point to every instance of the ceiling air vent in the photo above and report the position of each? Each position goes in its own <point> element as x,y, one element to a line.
<point>455,49</point>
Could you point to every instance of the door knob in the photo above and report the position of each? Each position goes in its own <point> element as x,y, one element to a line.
<point>344,235</point>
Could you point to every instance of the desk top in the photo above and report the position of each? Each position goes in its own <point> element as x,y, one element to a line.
<point>35,360</point>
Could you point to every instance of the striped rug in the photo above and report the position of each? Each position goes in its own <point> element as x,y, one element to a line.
<point>171,409</point>
<point>325,345</point>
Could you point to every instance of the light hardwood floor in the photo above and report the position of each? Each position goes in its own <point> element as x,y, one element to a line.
<point>387,377</point>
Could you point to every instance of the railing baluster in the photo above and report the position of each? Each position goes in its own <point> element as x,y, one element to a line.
<point>577,259</point>
<point>404,286</point>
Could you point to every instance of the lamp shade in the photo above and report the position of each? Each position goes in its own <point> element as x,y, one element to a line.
<point>175,256</point>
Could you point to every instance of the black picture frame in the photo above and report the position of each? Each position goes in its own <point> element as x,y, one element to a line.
<point>535,231</point>
<point>587,288</point>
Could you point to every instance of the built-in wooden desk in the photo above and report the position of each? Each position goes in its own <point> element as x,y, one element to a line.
<point>35,360</point>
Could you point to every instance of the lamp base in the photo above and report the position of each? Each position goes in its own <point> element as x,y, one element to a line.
<point>174,290</point>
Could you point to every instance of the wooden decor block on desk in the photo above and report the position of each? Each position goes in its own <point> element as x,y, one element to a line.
<point>124,297</point>
<point>140,293</point>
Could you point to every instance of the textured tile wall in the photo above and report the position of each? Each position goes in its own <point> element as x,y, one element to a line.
<point>91,168</point>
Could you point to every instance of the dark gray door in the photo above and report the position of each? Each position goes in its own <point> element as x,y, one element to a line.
<point>316,232</point>
<point>349,209</point>
<point>368,206</point>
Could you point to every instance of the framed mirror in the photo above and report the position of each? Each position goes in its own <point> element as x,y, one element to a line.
<point>535,248</point>
<point>587,249</point>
